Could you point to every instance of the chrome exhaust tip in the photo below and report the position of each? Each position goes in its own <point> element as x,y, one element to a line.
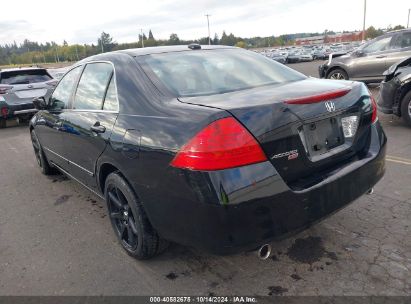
<point>264,252</point>
<point>371,191</point>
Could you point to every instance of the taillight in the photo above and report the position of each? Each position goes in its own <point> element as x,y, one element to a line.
<point>223,144</point>
<point>374,116</point>
<point>4,89</point>
<point>318,97</point>
<point>4,112</point>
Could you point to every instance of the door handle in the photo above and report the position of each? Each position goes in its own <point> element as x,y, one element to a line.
<point>381,56</point>
<point>97,128</point>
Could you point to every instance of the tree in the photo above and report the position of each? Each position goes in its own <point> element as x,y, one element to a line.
<point>371,32</point>
<point>216,41</point>
<point>241,44</point>
<point>150,35</point>
<point>107,42</point>
<point>173,39</point>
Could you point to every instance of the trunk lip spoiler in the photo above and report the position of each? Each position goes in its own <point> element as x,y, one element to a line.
<point>324,96</point>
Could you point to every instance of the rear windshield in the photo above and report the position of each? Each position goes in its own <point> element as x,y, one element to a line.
<point>24,77</point>
<point>208,72</point>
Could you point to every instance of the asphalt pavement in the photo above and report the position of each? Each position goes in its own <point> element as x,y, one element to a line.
<point>55,239</point>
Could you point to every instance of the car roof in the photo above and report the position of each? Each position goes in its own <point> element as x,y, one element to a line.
<point>170,49</point>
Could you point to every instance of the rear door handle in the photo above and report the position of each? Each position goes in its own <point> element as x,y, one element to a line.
<point>97,128</point>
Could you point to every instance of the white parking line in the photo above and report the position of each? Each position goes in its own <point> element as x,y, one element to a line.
<point>399,160</point>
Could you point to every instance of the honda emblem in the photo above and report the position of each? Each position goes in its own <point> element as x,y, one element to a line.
<point>330,106</point>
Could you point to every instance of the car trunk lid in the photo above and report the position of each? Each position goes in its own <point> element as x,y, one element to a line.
<point>301,139</point>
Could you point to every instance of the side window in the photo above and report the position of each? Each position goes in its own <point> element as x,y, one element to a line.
<point>92,86</point>
<point>405,40</point>
<point>110,102</point>
<point>378,46</point>
<point>61,95</point>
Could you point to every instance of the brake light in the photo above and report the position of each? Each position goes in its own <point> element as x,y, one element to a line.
<point>4,112</point>
<point>318,97</point>
<point>4,89</point>
<point>223,144</point>
<point>374,116</point>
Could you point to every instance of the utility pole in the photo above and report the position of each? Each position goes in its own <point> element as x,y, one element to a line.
<point>101,39</point>
<point>142,40</point>
<point>208,25</point>
<point>77,52</point>
<point>363,25</point>
<point>408,21</point>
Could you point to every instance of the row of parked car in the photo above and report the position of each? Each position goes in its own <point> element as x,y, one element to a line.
<point>293,54</point>
<point>384,60</point>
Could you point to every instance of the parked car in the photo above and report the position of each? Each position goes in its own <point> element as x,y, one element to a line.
<point>305,57</point>
<point>18,87</point>
<point>279,58</point>
<point>395,91</point>
<point>369,61</point>
<point>208,146</point>
<point>293,57</point>
<point>58,73</point>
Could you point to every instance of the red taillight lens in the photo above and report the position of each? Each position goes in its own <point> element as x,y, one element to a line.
<point>374,116</point>
<point>318,97</point>
<point>223,144</point>
<point>4,112</point>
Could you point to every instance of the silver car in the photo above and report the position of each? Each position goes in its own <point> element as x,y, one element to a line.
<point>368,62</point>
<point>18,87</point>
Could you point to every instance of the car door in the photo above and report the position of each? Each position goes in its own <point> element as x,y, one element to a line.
<point>49,124</point>
<point>370,63</point>
<point>400,49</point>
<point>89,122</point>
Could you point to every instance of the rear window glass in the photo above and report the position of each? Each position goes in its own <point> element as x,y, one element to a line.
<point>208,72</point>
<point>24,77</point>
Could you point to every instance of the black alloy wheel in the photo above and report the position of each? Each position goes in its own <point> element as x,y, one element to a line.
<point>129,220</point>
<point>41,159</point>
<point>122,218</point>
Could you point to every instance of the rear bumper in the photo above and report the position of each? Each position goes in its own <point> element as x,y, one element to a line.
<point>230,211</point>
<point>18,110</point>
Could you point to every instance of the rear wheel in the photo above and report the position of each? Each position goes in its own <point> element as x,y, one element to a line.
<point>338,74</point>
<point>406,108</point>
<point>129,220</point>
<point>44,165</point>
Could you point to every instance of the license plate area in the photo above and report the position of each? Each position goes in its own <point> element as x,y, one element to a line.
<point>323,136</point>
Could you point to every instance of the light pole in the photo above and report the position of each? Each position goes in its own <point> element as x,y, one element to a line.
<point>142,40</point>
<point>408,21</point>
<point>208,25</point>
<point>363,25</point>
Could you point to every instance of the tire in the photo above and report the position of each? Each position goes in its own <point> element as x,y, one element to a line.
<point>406,108</point>
<point>129,220</point>
<point>338,74</point>
<point>2,123</point>
<point>42,161</point>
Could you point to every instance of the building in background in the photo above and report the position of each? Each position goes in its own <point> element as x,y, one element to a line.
<point>336,38</point>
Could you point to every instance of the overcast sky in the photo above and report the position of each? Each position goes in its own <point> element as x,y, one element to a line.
<point>83,21</point>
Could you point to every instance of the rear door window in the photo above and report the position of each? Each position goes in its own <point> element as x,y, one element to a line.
<point>110,101</point>
<point>92,86</point>
<point>24,77</point>
<point>64,90</point>
<point>378,46</point>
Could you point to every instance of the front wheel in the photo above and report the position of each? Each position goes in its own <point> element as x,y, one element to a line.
<point>338,74</point>
<point>406,108</point>
<point>44,165</point>
<point>129,220</point>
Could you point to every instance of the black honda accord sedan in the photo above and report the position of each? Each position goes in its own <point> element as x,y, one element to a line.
<point>213,147</point>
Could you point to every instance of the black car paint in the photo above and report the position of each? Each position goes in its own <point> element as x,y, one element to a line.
<point>223,211</point>
<point>396,85</point>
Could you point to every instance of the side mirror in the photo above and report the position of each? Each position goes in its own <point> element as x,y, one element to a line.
<point>40,103</point>
<point>359,53</point>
